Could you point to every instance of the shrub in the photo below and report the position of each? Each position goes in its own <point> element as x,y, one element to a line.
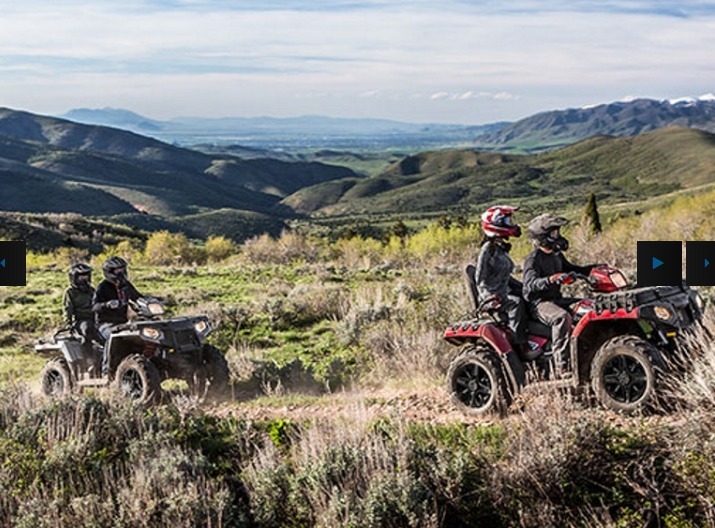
<point>219,248</point>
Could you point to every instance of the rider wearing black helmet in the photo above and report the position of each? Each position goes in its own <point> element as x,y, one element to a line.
<point>111,298</point>
<point>77,303</point>
<point>545,270</point>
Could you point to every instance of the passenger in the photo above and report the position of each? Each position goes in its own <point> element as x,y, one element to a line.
<point>77,305</point>
<point>494,268</point>
<point>111,299</point>
<point>545,270</point>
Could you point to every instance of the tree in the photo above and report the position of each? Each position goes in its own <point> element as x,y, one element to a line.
<point>590,215</point>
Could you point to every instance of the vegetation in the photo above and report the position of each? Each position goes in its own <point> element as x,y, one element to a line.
<point>338,415</point>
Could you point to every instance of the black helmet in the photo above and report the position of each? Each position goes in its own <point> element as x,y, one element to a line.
<point>80,275</point>
<point>115,270</point>
<point>541,229</point>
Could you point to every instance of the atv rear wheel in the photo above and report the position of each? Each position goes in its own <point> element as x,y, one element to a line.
<point>476,383</point>
<point>624,373</point>
<point>56,378</point>
<point>217,372</point>
<point>138,379</point>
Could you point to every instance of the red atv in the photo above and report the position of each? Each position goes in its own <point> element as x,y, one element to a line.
<point>620,341</point>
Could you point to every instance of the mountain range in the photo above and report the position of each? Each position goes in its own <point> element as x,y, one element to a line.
<point>557,128</point>
<point>616,169</point>
<point>54,165</point>
<point>294,133</point>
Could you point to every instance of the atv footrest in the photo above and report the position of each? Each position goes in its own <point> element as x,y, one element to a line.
<point>93,382</point>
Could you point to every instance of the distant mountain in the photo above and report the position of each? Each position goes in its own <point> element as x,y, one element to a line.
<point>54,165</point>
<point>623,118</point>
<point>310,131</point>
<point>114,117</point>
<point>616,169</point>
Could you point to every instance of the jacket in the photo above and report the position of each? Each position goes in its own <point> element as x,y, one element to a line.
<point>538,267</point>
<point>108,291</point>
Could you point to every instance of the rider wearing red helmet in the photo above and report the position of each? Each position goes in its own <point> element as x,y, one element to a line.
<point>494,268</point>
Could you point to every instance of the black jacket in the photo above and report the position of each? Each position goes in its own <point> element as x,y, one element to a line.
<point>538,267</point>
<point>108,291</point>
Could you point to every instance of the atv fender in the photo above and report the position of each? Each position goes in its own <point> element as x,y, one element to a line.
<point>605,315</point>
<point>465,332</point>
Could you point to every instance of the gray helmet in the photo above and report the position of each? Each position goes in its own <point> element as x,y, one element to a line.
<point>115,270</point>
<point>540,229</point>
<point>80,275</point>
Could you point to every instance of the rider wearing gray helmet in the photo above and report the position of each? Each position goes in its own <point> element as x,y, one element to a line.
<point>545,270</point>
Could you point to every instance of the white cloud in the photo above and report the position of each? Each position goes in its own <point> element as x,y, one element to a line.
<point>551,54</point>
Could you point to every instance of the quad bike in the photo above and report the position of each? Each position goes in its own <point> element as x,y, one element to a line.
<point>620,344</point>
<point>140,354</point>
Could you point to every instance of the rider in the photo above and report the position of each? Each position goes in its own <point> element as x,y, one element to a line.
<point>77,304</point>
<point>494,268</point>
<point>111,298</point>
<point>545,270</point>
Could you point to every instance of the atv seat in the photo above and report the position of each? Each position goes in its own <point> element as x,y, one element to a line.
<point>538,328</point>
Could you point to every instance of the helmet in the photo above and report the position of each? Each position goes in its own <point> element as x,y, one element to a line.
<point>541,230</point>
<point>80,275</point>
<point>498,221</point>
<point>115,270</point>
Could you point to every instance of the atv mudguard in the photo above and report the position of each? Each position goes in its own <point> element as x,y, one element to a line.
<point>461,333</point>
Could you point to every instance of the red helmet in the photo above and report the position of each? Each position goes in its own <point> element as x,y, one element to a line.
<point>498,221</point>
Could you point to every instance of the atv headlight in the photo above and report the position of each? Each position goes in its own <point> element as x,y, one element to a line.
<point>202,328</point>
<point>155,308</point>
<point>152,334</point>
<point>663,313</point>
<point>619,280</point>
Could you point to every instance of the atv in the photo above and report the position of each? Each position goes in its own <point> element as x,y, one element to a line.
<point>140,355</point>
<point>620,345</point>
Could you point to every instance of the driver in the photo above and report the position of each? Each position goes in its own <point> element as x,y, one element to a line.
<point>111,299</point>
<point>545,270</point>
<point>494,268</point>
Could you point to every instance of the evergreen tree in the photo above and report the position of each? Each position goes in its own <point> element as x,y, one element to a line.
<point>590,215</point>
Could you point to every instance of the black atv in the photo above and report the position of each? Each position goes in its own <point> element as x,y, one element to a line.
<point>141,354</point>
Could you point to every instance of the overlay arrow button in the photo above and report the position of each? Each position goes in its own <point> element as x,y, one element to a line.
<point>657,263</point>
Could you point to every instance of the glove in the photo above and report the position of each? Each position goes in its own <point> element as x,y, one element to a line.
<point>113,304</point>
<point>492,302</point>
<point>562,278</point>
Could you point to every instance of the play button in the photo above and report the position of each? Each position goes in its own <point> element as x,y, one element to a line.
<point>660,263</point>
<point>699,255</point>
<point>12,263</point>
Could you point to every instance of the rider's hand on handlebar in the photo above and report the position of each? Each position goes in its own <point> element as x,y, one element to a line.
<point>562,278</point>
<point>113,304</point>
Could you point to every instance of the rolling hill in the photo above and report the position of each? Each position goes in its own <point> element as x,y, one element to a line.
<point>623,118</point>
<point>615,168</point>
<point>53,165</point>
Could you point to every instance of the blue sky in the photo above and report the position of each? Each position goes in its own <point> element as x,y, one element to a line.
<point>453,61</point>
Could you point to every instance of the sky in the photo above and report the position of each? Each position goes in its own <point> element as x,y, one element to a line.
<point>440,61</point>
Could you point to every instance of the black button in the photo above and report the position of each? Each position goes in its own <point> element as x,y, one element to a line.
<point>700,263</point>
<point>660,263</point>
<point>12,263</point>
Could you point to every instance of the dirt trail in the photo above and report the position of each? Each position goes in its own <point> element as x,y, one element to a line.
<point>429,405</point>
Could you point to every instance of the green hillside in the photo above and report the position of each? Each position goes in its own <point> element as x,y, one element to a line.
<point>616,169</point>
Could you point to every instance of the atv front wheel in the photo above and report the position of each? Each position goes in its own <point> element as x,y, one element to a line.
<point>476,383</point>
<point>217,372</point>
<point>138,379</point>
<point>56,378</point>
<point>623,373</point>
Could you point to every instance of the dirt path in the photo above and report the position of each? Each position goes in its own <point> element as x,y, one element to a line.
<point>429,405</point>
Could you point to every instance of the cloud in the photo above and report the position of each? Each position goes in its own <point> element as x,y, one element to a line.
<point>527,53</point>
